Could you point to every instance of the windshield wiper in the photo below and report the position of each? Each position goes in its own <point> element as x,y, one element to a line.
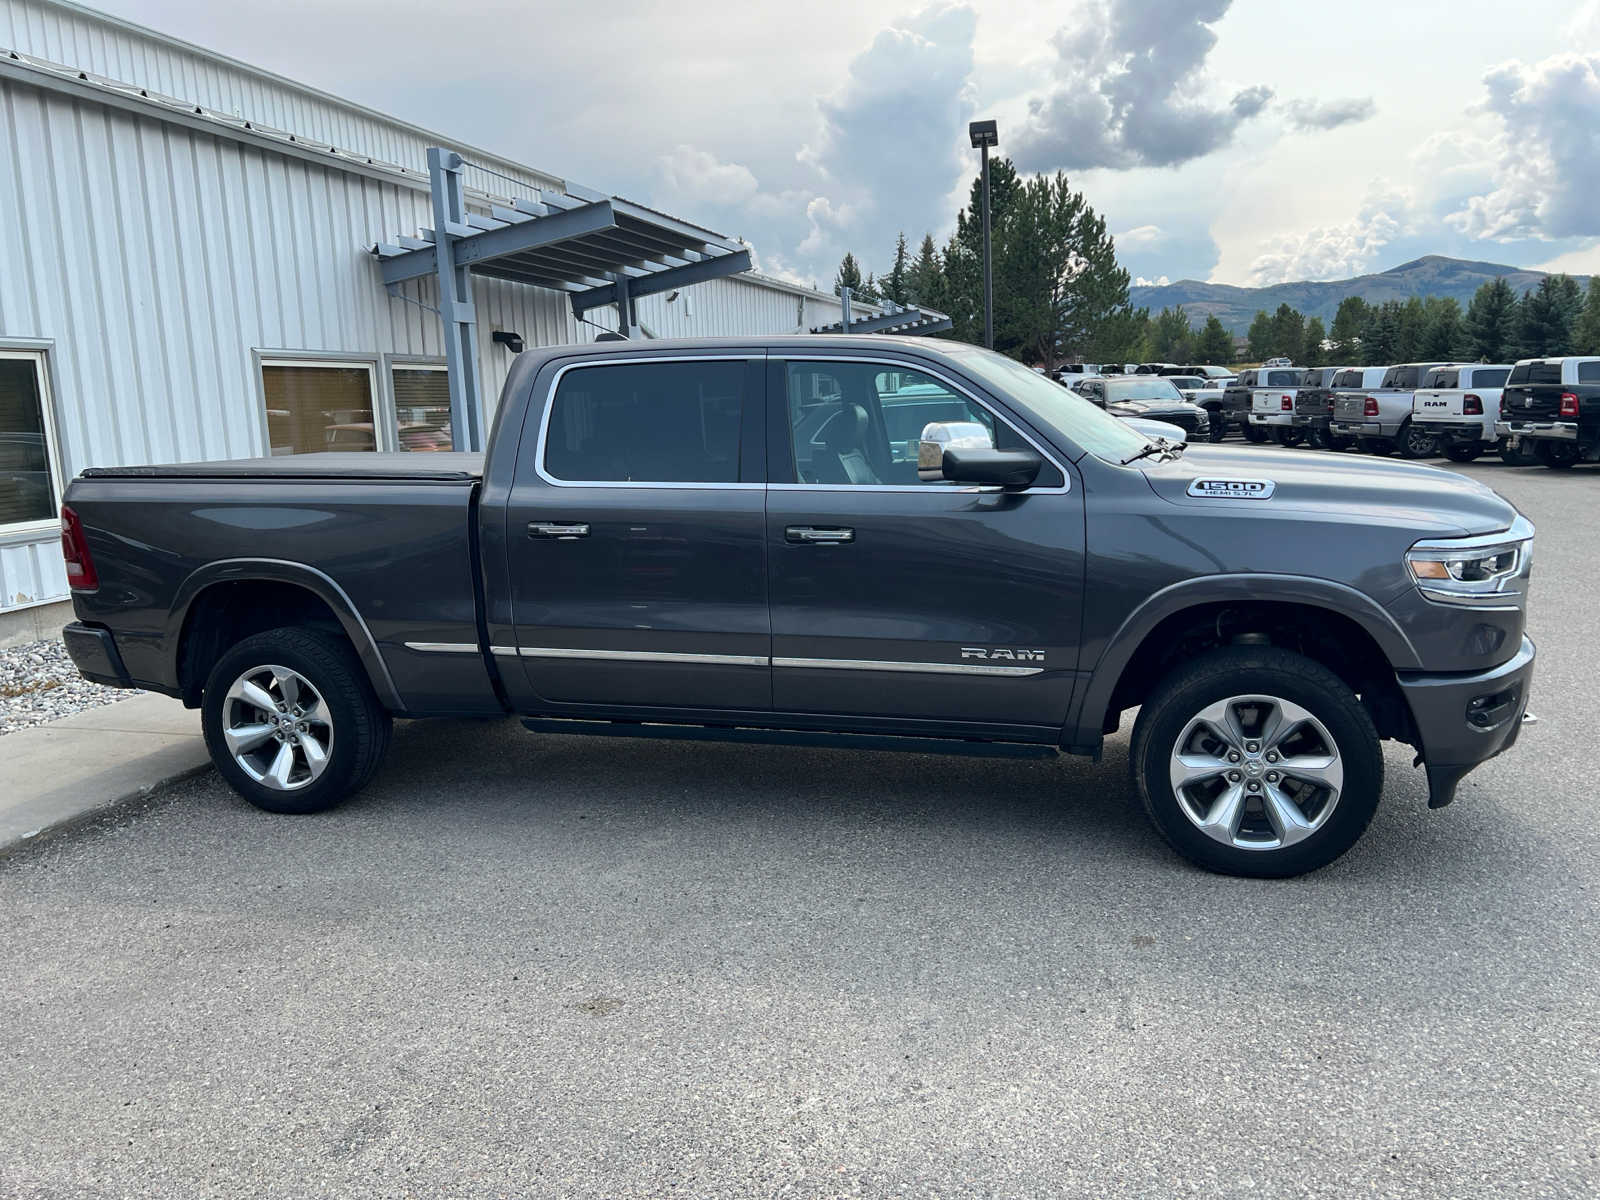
<point>1159,446</point>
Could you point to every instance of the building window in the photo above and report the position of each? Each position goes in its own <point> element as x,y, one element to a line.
<point>29,490</point>
<point>422,406</point>
<point>316,406</point>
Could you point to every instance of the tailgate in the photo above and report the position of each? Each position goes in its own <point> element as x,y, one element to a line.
<point>1527,401</point>
<point>1349,406</point>
<point>1270,400</point>
<point>1437,403</point>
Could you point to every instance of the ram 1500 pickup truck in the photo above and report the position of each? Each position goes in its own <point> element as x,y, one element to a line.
<point>730,539</point>
<point>1313,407</point>
<point>1553,406</point>
<point>1379,420</point>
<point>1238,398</point>
<point>1459,406</point>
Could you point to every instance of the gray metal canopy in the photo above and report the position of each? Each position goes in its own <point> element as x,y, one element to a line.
<point>894,319</point>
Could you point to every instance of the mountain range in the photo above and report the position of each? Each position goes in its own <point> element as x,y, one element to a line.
<point>1235,307</point>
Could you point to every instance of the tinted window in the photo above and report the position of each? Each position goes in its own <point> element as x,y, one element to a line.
<point>1442,378</point>
<point>1347,379</point>
<point>1545,372</point>
<point>1153,388</point>
<point>315,407</point>
<point>1402,377</point>
<point>648,423</point>
<point>1589,372</point>
<point>1282,378</point>
<point>27,489</point>
<point>1489,378</point>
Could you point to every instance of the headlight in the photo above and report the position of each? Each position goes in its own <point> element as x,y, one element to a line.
<point>1489,571</point>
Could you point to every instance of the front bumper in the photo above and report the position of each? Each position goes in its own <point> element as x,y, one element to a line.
<point>1566,431</point>
<point>94,652</point>
<point>1466,719</point>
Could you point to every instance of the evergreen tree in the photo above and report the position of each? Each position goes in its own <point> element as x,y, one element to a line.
<point>1315,355</point>
<point>1588,333</point>
<point>1411,318</point>
<point>897,283</point>
<point>1492,326</point>
<point>1443,336</point>
<point>1550,315</point>
<point>1348,323</point>
<point>869,290</point>
<point>1171,338</point>
<point>1123,337</point>
<point>1260,337</point>
<point>1214,346</point>
<point>925,283</point>
<point>848,275</point>
<point>1381,335</point>
<point>1288,333</point>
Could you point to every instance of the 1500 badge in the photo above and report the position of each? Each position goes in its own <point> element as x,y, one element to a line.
<point>1233,489</point>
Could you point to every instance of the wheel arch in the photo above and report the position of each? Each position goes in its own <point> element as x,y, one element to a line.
<point>200,591</point>
<point>1343,609</point>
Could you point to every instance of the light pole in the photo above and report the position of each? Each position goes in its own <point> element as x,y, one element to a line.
<point>984,134</point>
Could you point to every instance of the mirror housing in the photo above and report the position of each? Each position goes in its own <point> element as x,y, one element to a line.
<point>939,436</point>
<point>1010,469</point>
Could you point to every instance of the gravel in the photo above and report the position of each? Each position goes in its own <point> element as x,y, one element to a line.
<point>38,683</point>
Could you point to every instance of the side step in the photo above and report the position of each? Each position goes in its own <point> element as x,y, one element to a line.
<point>789,737</point>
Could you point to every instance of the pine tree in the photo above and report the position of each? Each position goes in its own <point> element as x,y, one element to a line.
<point>848,275</point>
<point>1260,337</point>
<point>869,290</point>
<point>1443,338</point>
<point>1550,315</point>
<point>1587,338</point>
<point>1171,338</point>
<point>925,284</point>
<point>1315,355</point>
<point>1214,347</point>
<point>897,283</point>
<point>1288,333</point>
<point>1382,334</point>
<point>1348,322</point>
<point>1411,318</point>
<point>1492,326</point>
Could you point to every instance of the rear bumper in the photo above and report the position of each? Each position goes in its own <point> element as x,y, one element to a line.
<point>1277,418</point>
<point>1466,719</point>
<point>94,652</point>
<point>1457,431</point>
<point>1566,431</point>
<point>1360,429</point>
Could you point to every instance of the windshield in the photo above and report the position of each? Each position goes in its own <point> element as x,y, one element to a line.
<point>1068,413</point>
<point>1149,388</point>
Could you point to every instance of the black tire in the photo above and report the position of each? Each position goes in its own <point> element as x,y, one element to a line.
<point>1269,672</point>
<point>1558,456</point>
<point>1463,452</point>
<point>1415,441</point>
<point>1520,457</point>
<point>1382,447</point>
<point>1219,423</point>
<point>1318,437</point>
<point>1287,436</point>
<point>358,727</point>
<point>1254,434</point>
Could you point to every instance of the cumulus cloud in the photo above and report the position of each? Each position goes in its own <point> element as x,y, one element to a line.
<point>1312,115</point>
<point>1130,90</point>
<point>694,176</point>
<point>1337,251</point>
<point>1158,281</point>
<point>1549,146</point>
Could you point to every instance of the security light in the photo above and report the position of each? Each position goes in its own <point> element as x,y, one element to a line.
<point>983,133</point>
<point>512,341</point>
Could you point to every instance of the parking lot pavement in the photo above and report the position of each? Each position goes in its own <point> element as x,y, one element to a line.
<point>541,966</point>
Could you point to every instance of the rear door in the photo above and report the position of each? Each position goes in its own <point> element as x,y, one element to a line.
<point>899,601</point>
<point>636,536</point>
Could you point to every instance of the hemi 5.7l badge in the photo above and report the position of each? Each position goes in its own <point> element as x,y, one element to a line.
<point>1233,489</point>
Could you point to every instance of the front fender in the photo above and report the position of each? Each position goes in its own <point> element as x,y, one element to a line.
<point>234,570</point>
<point>1084,719</point>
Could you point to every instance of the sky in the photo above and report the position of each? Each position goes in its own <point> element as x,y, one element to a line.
<point>1237,141</point>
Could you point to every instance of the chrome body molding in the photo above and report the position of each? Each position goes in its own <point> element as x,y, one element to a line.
<point>761,660</point>
<point>870,664</point>
<point>443,647</point>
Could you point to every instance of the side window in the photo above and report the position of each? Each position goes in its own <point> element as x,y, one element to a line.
<point>645,422</point>
<point>28,494</point>
<point>1589,372</point>
<point>318,406</point>
<point>422,407</point>
<point>861,423</point>
<point>1490,379</point>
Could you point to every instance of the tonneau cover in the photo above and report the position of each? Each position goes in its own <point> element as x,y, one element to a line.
<point>444,467</point>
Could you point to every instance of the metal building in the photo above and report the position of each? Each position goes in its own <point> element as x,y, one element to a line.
<point>193,265</point>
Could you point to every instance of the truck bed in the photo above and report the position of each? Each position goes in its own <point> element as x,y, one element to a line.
<point>447,467</point>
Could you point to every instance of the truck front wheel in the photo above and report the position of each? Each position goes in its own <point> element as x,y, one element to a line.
<point>291,722</point>
<point>1258,762</point>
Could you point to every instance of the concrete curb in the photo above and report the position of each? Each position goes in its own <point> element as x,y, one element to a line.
<point>78,769</point>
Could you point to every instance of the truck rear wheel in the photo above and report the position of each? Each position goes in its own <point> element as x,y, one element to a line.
<point>1416,442</point>
<point>1254,434</point>
<point>1558,456</point>
<point>291,722</point>
<point>1257,762</point>
<point>1285,435</point>
<point>1463,452</point>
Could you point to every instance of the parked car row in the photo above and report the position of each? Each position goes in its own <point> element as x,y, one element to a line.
<point>1536,410</point>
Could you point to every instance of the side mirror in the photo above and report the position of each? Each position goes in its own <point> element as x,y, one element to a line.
<point>1010,469</point>
<point>939,436</point>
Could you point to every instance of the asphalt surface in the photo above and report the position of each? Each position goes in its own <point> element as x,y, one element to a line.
<point>523,966</point>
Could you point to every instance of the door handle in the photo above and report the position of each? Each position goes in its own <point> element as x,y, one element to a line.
<point>808,535</point>
<point>560,532</point>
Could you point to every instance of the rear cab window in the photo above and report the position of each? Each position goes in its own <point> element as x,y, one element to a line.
<point>647,422</point>
<point>1487,377</point>
<point>1283,378</point>
<point>1442,377</point>
<point>1589,370</point>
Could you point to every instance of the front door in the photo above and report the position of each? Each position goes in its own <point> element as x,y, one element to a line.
<point>636,538</point>
<point>919,603</point>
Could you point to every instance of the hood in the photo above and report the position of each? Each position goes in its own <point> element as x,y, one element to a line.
<point>1149,408</point>
<point>1348,485</point>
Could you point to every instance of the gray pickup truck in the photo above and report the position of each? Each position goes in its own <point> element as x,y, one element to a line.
<point>857,541</point>
<point>1379,420</point>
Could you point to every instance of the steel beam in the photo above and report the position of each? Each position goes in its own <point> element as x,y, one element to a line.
<point>496,243</point>
<point>664,281</point>
<point>455,301</point>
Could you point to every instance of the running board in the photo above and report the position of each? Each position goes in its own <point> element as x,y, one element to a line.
<point>790,737</point>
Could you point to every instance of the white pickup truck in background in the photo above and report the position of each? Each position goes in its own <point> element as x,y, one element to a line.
<point>1459,406</point>
<point>1272,409</point>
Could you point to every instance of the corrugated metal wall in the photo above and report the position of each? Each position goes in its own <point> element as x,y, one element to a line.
<point>157,260</point>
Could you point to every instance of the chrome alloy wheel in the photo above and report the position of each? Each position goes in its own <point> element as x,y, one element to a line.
<point>277,728</point>
<point>1256,772</point>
